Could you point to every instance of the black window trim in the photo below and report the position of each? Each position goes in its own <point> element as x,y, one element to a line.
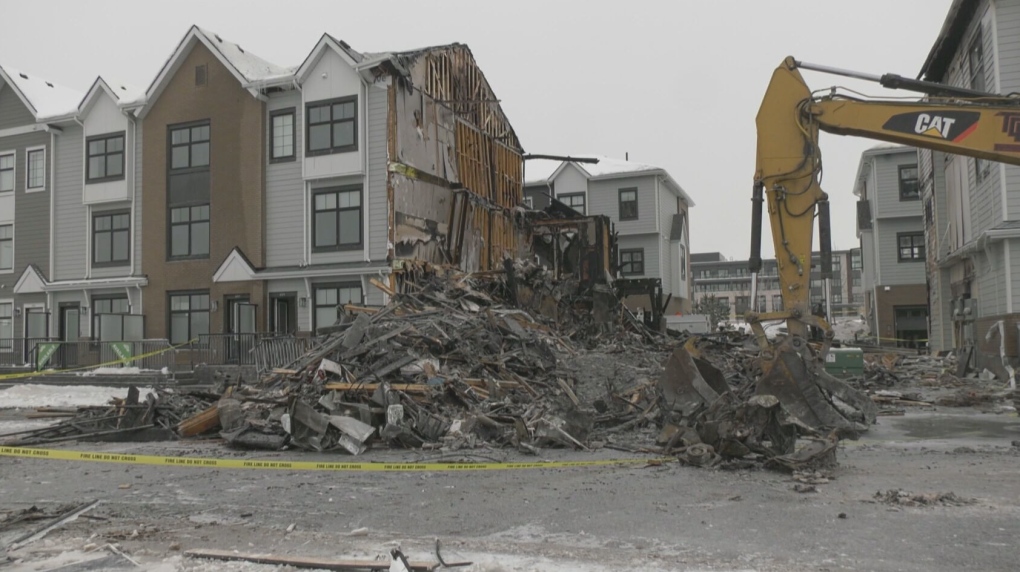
<point>292,111</point>
<point>330,150</point>
<point>170,311</point>
<point>170,148</point>
<point>100,297</point>
<point>361,219</point>
<point>619,198</point>
<point>13,170</point>
<point>899,249</point>
<point>170,230</point>
<point>123,157</point>
<point>28,169</point>
<point>332,285</point>
<point>899,182</point>
<point>571,196</point>
<point>112,263</point>
<point>632,251</point>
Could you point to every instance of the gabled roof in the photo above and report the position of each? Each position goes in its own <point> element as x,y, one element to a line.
<point>124,95</point>
<point>327,42</point>
<point>948,42</point>
<point>244,66</point>
<point>46,100</point>
<point>543,171</point>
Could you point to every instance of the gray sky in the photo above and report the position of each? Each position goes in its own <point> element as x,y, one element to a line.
<point>675,83</point>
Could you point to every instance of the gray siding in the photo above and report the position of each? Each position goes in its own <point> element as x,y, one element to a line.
<point>886,197</point>
<point>70,215</point>
<point>378,216</point>
<point>667,208</point>
<point>892,271</point>
<point>869,273</point>
<point>991,282</point>
<point>32,210</point>
<point>13,113</point>
<point>1007,26</point>
<point>285,193</point>
<point>651,245</point>
<point>539,196</point>
<point>604,198</point>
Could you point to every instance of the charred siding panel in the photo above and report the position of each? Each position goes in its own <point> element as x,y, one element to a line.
<point>285,192</point>
<point>377,201</point>
<point>70,216</point>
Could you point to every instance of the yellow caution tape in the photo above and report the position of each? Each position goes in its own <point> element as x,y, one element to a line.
<point>118,458</point>
<point>30,374</point>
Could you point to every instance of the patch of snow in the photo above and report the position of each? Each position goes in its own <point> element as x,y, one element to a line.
<point>48,98</point>
<point>538,171</point>
<point>126,93</point>
<point>19,425</point>
<point>31,396</point>
<point>112,371</point>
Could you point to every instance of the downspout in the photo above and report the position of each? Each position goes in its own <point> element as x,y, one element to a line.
<point>311,304</point>
<point>363,113</point>
<point>53,196</point>
<point>134,181</point>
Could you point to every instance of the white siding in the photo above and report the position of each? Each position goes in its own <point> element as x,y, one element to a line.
<point>571,181</point>
<point>330,78</point>
<point>651,245</point>
<point>886,195</point>
<point>70,215</point>
<point>285,221</point>
<point>604,198</point>
<point>893,272</point>
<point>378,207</point>
<point>104,117</point>
<point>1007,32</point>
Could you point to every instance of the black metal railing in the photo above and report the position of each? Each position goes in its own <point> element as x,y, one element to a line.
<point>224,349</point>
<point>18,352</point>
<point>82,356</point>
<point>281,350</point>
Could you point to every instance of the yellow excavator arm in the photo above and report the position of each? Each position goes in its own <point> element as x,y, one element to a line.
<point>786,182</point>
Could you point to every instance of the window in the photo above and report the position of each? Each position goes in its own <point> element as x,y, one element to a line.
<point>329,298</point>
<point>911,246</point>
<point>855,259</point>
<point>574,201</point>
<point>856,282</point>
<point>837,298</point>
<point>529,202</point>
<point>282,135</point>
<point>909,191</point>
<point>777,302</point>
<point>7,172</point>
<point>189,316</point>
<point>111,238</point>
<point>336,219</point>
<point>632,261</point>
<point>6,247</point>
<point>332,126</point>
<point>189,147</point>
<point>36,178</point>
<point>201,73</point>
<point>106,158</point>
<point>975,59</point>
<point>628,204</point>
<point>111,305</point>
<point>6,326</point>
<point>683,262</point>
<point>743,304</point>
<point>189,232</point>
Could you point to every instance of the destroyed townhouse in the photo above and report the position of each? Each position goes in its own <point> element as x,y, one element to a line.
<point>646,205</point>
<point>234,196</point>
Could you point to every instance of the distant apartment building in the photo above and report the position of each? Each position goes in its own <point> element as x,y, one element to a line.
<point>729,281</point>
<point>649,209</point>
<point>891,232</point>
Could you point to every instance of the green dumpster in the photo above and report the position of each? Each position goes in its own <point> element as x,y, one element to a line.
<point>845,362</point>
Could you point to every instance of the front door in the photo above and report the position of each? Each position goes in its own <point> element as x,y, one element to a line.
<point>37,329</point>
<point>241,327</point>
<point>283,314</point>
<point>70,331</point>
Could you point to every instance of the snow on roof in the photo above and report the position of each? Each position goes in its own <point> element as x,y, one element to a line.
<point>127,94</point>
<point>47,99</point>
<point>250,66</point>
<point>538,171</point>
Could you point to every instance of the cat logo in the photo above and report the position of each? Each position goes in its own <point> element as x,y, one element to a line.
<point>938,124</point>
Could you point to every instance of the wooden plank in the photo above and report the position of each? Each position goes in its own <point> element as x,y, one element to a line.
<point>304,562</point>
<point>389,291</point>
<point>359,309</point>
<point>371,387</point>
<point>200,422</point>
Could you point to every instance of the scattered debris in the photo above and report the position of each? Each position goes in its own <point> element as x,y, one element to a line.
<point>314,563</point>
<point>903,498</point>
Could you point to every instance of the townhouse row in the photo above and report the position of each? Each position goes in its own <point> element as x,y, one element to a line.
<point>234,195</point>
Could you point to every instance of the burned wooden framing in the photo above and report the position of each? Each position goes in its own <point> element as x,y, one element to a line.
<point>455,164</point>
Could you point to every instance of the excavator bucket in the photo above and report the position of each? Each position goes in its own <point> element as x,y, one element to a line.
<point>690,384</point>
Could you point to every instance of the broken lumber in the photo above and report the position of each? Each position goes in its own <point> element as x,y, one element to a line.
<point>303,562</point>
<point>200,423</point>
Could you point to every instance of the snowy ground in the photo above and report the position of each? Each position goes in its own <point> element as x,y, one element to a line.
<point>31,396</point>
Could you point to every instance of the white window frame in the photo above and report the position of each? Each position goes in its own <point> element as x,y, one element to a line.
<point>8,350</point>
<point>14,183</point>
<point>14,249</point>
<point>28,172</point>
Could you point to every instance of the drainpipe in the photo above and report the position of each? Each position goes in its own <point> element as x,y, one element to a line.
<point>134,181</point>
<point>311,303</point>
<point>53,195</point>
<point>363,112</point>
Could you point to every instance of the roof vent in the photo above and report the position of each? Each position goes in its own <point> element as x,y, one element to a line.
<point>23,76</point>
<point>49,84</point>
<point>218,38</point>
<point>240,49</point>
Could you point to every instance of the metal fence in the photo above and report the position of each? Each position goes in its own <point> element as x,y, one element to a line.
<point>83,355</point>
<point>18,352</point>
<point>280,351</point>
<point>223,349</point>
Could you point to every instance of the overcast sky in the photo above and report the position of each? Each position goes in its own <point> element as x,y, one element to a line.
<point>675,83</point>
